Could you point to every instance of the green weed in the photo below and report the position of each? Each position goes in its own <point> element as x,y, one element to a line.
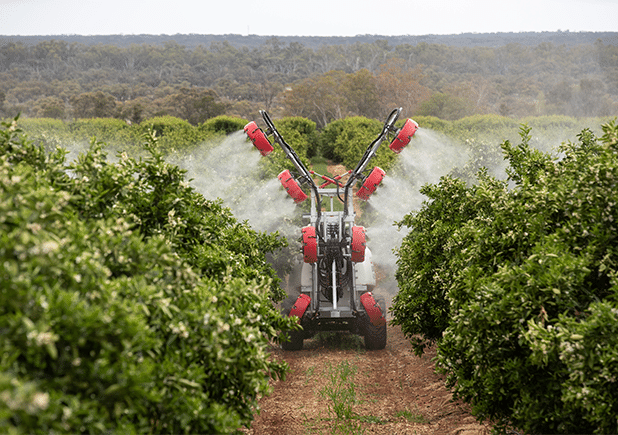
<point>412,417</point>
<point>340,390</point>
<point>309,374</point>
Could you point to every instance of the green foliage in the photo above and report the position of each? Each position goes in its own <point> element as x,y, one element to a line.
<point>115,131</point>
<point>300,133</point>
<point>128,302</point>
<point>345,141</point>
<point>340,390</point>
<point>38,126</point>
<point>78,131</point>
<point>496,128</point>
<point>586,350</point>
<point>479,124</point>
<point>481,135</point>
<point>424,270</point>
<point>413,417</point>
<point>328,136</point>
<point>434,123</point>
<point>174,134</point>
<point>555,122</point>
<point>522,281</point>
<point>223,124</point>
<point>163,125</point>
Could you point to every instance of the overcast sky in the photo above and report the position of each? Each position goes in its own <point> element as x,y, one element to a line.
<point>308,18</point>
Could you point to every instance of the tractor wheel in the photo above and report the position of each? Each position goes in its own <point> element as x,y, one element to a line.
<point>310,245</point>
<point>375,333</point>
<point>258,138</point>
<point>292,340</point>
<point>404,136</point>
<point>291,186</point>
<point>358,244</point>
<point>295,341</point>
<point>371,183</point>
<point>375,336</point>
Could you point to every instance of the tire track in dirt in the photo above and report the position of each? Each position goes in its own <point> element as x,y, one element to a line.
<point>396,391</point>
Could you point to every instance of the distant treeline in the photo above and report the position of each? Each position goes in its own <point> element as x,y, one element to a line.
<point>191,41</point>
<point>197,77</point>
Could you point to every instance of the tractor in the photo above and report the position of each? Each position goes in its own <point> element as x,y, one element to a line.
<point>336,276</point>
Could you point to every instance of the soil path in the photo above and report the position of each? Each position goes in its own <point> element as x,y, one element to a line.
<point>395,392</point>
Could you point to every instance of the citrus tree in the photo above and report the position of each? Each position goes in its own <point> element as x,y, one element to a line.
<point>128,302</point>
<point>516,281</point>
<point>345,141</point>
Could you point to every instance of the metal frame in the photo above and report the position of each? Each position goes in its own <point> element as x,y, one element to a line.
<point>334,237</point>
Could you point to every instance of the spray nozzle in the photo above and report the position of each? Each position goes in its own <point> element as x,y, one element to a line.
<point>258,138</point>
<point>370,183</point>
<point>404,136</point>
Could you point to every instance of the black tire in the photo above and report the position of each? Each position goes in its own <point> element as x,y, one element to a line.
<point>295,341</point>
<point>291,340</point>
<point>375,336</point>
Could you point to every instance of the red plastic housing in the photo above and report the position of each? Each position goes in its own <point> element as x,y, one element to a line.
<point>376,316</point>
<point>310,245</point>
<point>358,244</point>
<point>404,136</point>
<point>291,186</point>
<point>371,183</point>
<point>258,138</point>
<point>300,306</point>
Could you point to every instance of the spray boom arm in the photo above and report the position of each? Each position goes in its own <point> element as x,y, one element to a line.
<point>370,152</point>
<point>370,182</point>
<point>305,174</point>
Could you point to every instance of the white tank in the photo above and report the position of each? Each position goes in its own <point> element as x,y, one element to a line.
<point>365,275</point>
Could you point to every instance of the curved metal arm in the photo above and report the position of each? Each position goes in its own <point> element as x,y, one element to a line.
<point>370,152</point>
<point>288,150</point>
<point>291,154</point>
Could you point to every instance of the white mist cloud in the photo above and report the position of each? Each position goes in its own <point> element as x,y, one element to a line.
<point>230,171</point>
<point>428,157</point>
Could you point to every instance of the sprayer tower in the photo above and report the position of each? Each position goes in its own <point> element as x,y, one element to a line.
<point>337,277</point>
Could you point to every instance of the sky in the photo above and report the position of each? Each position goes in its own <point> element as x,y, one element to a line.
<point>309,18</point>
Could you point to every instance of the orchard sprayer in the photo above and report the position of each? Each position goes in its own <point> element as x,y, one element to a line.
<point>336,279</point>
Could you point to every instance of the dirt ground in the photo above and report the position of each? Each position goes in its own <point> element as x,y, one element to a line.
<point>395,392</point>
